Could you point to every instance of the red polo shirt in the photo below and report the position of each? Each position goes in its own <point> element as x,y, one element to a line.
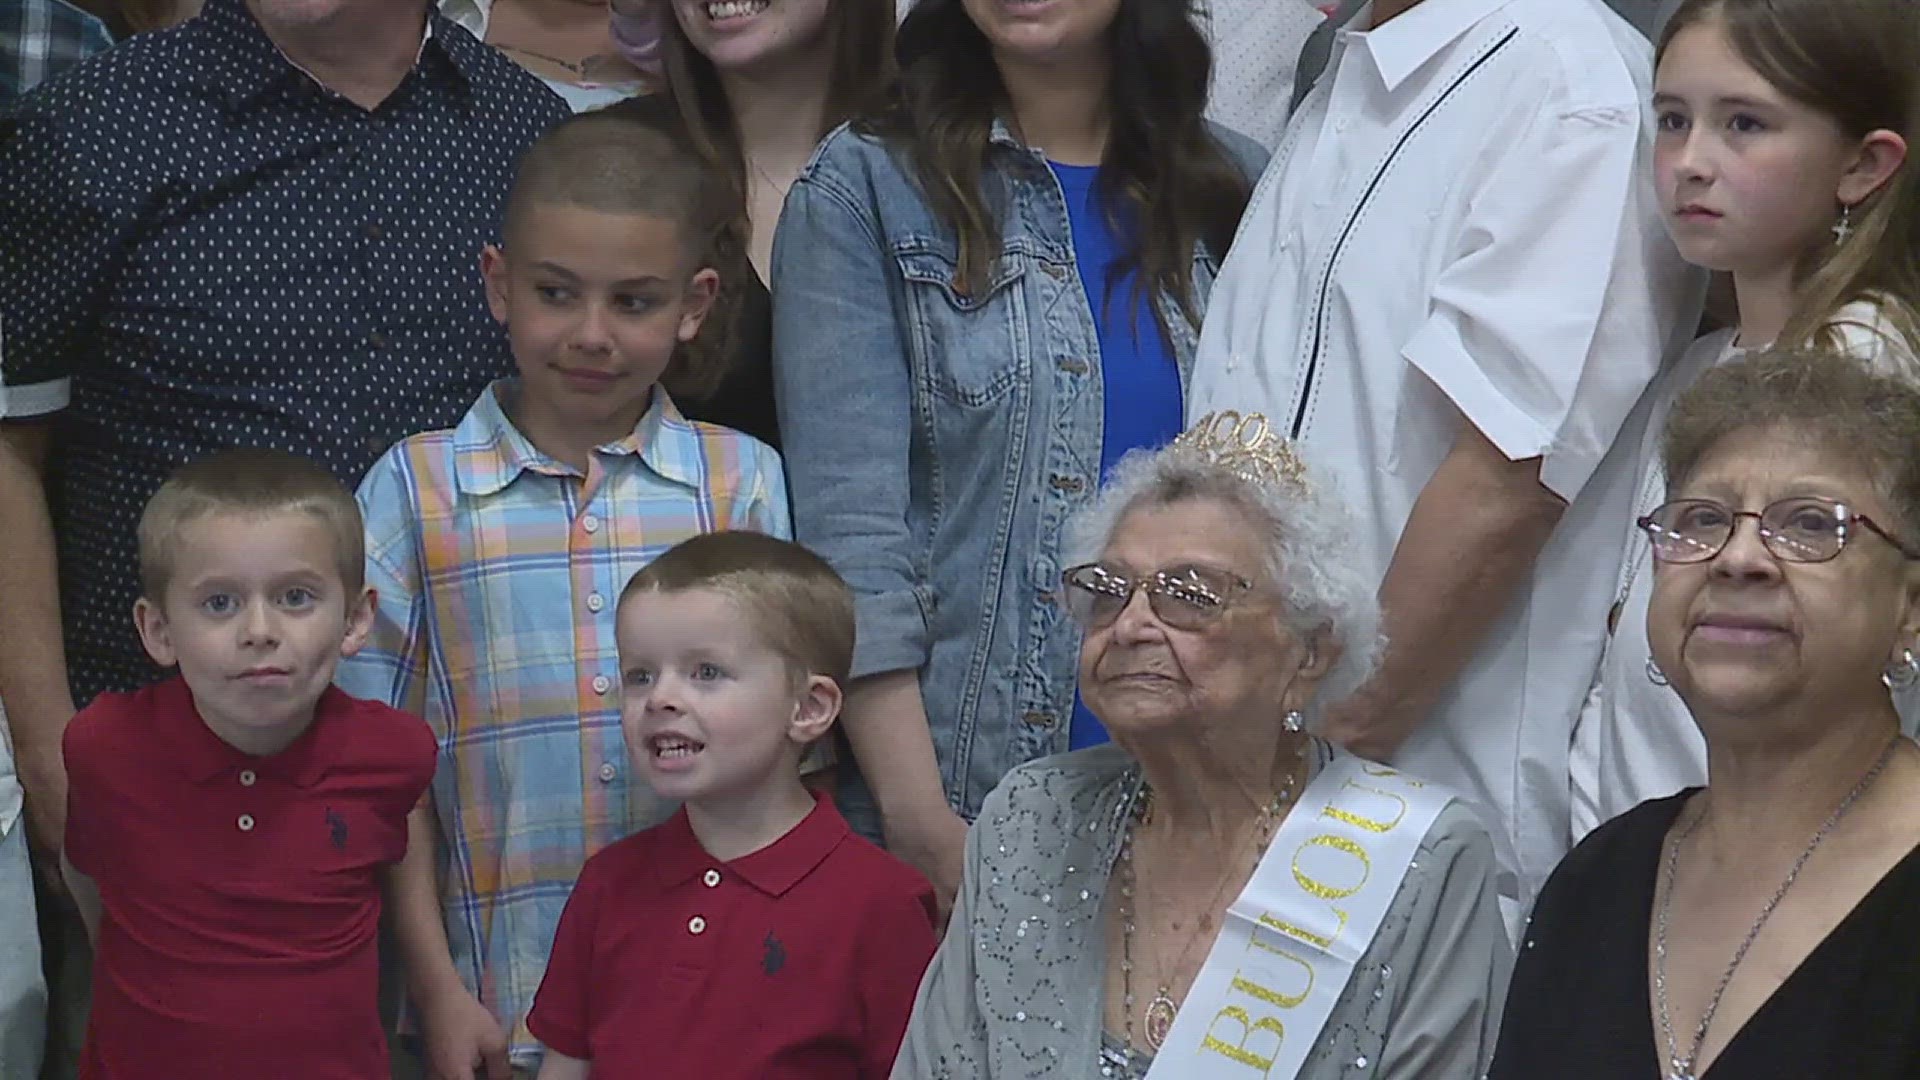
<point>797,962</point>
<point>240,895</point>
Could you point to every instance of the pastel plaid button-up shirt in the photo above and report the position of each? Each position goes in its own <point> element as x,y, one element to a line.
<point>40,39</point>
<point>498,571</point>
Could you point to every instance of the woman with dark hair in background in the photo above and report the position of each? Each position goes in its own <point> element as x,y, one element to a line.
<point>987,294</point>
<point>758,83</point>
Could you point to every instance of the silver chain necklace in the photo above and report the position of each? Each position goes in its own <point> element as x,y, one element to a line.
<point>1681,1068</point>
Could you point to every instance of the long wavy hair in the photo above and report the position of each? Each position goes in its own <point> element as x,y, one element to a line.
<point>1855,62</point>
<point>1164,179</point>
<point>859,80</point>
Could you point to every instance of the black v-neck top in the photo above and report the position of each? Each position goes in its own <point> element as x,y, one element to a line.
<point>1579,1009</point>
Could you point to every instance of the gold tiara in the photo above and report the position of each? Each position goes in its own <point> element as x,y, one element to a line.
<point>1247,447</point>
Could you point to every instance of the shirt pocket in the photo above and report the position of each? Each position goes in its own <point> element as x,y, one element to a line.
<point>968,347</point>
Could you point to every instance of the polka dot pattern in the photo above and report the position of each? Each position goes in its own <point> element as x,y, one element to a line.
<point>202,248</point>
<point>1256,47</point>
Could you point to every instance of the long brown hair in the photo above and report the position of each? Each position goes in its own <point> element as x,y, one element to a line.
<point>1857,63</point>
<point>1163,171</point>
<point>860,76</point>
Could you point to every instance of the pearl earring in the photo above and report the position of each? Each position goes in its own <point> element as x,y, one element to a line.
<point>1903,673</point>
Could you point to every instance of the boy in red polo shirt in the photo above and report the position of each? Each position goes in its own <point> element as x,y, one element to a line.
<point>228,829</point>
<point>753,936</point>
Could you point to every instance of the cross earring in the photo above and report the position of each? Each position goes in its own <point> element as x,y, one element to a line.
<point>1844,227</point>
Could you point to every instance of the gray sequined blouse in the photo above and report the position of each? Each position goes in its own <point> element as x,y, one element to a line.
<point>1017,988</point>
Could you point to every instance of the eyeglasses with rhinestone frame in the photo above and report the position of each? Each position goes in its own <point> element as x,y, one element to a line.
<point>1184,597</point>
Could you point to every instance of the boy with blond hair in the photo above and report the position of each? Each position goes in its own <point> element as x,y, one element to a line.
<point>229,830</point>
<point>753,936</point>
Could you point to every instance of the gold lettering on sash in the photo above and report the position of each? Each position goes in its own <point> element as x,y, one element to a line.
<point>1269,995</point>
<point>1383,771</point>
<point>1372,825</point>
<point>1249,1027</point>
<point>1320,888</point>
<point>1304,934</point>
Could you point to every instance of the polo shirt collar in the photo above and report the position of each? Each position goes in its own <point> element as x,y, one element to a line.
<point>264,67</point>
<point>489,452</point>
<point>1405,44</point>
<point>204,757</point>
<point>773,869</point>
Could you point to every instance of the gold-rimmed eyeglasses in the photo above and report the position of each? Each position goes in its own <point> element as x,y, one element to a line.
<point>1800,530</point>
<point>1184,597</point>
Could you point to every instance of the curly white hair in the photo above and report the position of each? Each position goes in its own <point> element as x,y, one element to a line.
<point>1307,532</point>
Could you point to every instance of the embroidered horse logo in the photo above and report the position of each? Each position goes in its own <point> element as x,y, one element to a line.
<point>775,956</point>
<point>337,829</point>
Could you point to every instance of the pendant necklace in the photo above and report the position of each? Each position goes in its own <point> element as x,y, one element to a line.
<point>1161,1011</point>
<point>1681,1068</point>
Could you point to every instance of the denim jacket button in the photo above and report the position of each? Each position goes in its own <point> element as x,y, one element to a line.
<point>1036,718</point>
<point>1073,367</point>
<point>1054,270</point>
<point>1066,483</point>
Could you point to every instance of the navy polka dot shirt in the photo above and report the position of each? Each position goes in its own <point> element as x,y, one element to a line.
<point>201,247</point>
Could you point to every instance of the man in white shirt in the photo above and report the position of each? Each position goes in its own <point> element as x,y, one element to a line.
<point>1451,288</point>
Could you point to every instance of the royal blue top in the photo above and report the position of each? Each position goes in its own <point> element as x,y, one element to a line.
<point>1144,405</point>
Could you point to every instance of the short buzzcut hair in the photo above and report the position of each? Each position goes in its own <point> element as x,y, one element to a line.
<point>1824,399</point>
<point>248,482</point>
<point>796,602</point>
<point>643,161</point>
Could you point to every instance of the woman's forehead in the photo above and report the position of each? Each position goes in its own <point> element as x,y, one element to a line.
<point>1769,463</point>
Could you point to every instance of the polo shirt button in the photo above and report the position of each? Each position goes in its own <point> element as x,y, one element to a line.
<point>590,523</point>
<point>374,231</point>
<point>712,879</point>
<point>602,684</point>
<point>696,925</point>
<point>608,772</point>
<point>377,339</point>
<point>246,822</point>
<point>247,778</point>
<point>595,602</point>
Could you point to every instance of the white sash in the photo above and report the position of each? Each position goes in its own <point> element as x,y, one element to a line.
<point>1290,942</point>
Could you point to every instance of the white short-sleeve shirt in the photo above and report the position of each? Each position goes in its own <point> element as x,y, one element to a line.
<point>1460,227</point>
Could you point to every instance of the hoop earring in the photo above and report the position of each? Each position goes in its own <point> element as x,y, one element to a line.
<point>1295,721</point>
<point>1904,673</point>
<point>1655,675</point>
<point>1844,227</point>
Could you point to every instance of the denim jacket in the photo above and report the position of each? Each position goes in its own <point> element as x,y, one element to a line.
<point>938,441</point>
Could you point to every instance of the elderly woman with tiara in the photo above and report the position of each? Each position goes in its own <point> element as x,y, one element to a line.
<point>1217,892</point>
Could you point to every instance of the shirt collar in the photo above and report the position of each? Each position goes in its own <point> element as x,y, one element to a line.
<point>773,869</point>
<point>204,757</point>
<point>1407,42</point>
<point>264,67</point>
<point>489,452</point>
<point>470,15</point>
